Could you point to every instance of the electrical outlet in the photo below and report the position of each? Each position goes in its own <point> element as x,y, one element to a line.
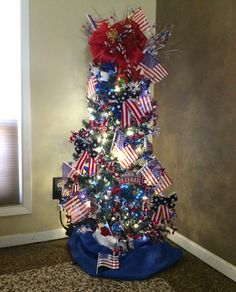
<point>57,187</point>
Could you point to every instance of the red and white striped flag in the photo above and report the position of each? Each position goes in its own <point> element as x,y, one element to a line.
<point>108,260</point>
<point>76,209</point>
<point>151,68</point>
<point>148,175</point>
<point>124,152</point>
<point>164,182</point>
<point>68,171</point>
<point>139,17</point>
<point>92,85</point>
<point>156,176</point>
<point>145,104</point>
<point>162,213</point>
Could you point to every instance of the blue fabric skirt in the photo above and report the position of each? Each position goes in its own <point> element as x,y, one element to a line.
<point>140,263</point>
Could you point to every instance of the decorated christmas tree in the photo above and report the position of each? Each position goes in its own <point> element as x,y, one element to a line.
<point>114,188</point>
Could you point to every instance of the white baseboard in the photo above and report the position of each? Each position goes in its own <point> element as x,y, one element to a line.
<point>27,238</point>
<point>205,255</point>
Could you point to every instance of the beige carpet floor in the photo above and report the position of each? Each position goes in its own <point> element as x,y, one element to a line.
<point>68,277</point>
<point>189,274</point>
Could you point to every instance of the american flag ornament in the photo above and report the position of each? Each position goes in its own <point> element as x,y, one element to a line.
<point>151,68</point>
<point>68,171</point>
<point>108,260</point>
<point>124,152</point>
<point>92,86</point>
<point>76,209</point>
<point>156,176</point>
<point>139,17</point>
<point>162,214</point>
<point>164,182</point>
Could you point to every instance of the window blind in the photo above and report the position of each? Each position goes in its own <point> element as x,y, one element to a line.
<point>10,100</point>
<point>9,176</point>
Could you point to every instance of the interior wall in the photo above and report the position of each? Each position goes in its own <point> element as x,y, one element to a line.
<point>59,61</point>
<point>198,120</point>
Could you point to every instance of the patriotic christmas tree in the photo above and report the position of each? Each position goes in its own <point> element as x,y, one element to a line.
<point>114,189</point>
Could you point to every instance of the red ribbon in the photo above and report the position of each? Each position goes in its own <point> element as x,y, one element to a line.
<point>75,188</point>
<point>144,205</point>
<point>92,166</point>
<point>102,126</point>
<point>161,213</point>
<point>92,163</point>
<point>108,44</point>
<point>128,106</point>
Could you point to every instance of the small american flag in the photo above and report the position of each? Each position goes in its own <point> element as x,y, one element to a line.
<point>92,85</point>
<point>164,182</point>
<point>123,151</point>
<point>139,17</point>
<point>148,175</point>
<point>68,170</point>
<point>76,209</point>
<point>151,68</point>
<point>108,260</point>
<point>156,176</point>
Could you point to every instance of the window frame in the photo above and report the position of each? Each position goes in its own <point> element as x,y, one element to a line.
<point>25,171</point>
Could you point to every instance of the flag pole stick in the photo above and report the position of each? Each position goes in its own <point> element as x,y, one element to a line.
<point>97,263</point>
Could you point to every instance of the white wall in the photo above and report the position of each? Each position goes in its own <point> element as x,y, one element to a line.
<point>59,67</point>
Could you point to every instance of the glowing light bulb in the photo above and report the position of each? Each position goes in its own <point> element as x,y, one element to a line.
<point>117,88</point>
<point>129,132</point>
<point>138,150</point>
<point>135,225</point>
<point>98,149</point>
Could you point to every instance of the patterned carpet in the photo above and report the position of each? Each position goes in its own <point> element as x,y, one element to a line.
<point>68,277</point>
<point>47,266</point>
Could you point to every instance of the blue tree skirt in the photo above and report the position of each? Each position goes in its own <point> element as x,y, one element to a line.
<point>140,263</point>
